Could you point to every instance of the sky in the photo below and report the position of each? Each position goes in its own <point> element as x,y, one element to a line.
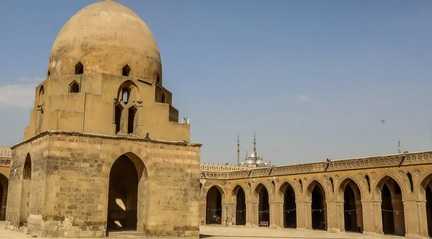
<point>313,79</point>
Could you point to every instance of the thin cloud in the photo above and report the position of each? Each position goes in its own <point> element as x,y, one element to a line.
<point>20,94</point>
<point>303,98</point>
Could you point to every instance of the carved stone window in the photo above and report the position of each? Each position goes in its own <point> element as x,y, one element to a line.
<point>79,69</point>
<point>74,87</point>
<point>126,70</point>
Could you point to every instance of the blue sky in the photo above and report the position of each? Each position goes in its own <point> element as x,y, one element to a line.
<point>314,80</point>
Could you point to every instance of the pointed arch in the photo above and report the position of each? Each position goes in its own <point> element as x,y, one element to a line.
<point>214,209</point>
<point>263,205</point>
<point>74,87</point>
<point>426,194</point>
<point>318,206</point>
<point>240,199</point>
<point>353,212</point>
<point>26,189</point>
<point>4,183</point>
<point>27,169</point>
<point>79,68</point>
<point>126,174</point>
<point>126,70</point>
<point>289,206</point>
<point>392,209</point>
<point>131,119</point>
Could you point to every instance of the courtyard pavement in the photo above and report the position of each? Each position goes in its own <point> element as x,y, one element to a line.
<point>219,232</point>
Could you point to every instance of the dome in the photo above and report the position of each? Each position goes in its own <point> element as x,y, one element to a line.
<point>105,37</point>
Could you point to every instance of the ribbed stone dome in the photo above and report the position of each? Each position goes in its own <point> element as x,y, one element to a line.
<point>104,37</point>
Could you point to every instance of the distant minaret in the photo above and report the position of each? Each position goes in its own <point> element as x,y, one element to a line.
<point>238,150</point>
<point>254,146</point>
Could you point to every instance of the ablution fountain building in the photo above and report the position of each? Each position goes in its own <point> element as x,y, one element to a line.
<point>104,152</point>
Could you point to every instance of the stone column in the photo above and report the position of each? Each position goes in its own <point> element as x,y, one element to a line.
<point>229,215</point>
<point>334,216</point>
<point>339,219</point>
<point>372,215</point>
<point>423,224</point>
<point>276,214</point>
<point>252,213</point>
<point>415,219</point>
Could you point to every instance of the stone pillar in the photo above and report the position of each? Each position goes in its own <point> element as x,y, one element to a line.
<point>276,214</point>
<point>339,219</point>
<point>333,214</point>
<point>398,216</point>
<point>229,214</point>
<point>304,214</point>
<point>423,224</point>
<point>252,213</point>
<point>415,219</point>
<point>372,215</point>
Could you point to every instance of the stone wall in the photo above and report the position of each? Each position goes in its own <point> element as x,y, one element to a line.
<point>410,172</point>
<point>70,179</point>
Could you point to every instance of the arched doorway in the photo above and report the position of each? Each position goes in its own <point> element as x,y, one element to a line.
<point>214,206</point>
<point>427,186</point>
<point>289,206</point>
<point>353,219</point>
<point>3,196</point>
<point>240,217</point>
<point>263,206</point>
<point>26,190</point>
<point>124,178</point>
<point>318,207</point>
<point>392,210</point>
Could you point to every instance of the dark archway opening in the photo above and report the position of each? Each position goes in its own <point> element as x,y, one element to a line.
<point>3,196</point>
<point>289,207</point>
<point>79,69</point>
<point>319,221</point>
<point>429,208</point>
<point>123,196</point>
<point>25,190</point>
<point>240,206</point>
<point>263,207</point>
<point>131,120</point>
<point>392,210</point>
<point>74,87</point>
<point>352,208</point>
<point>214,206</point>
<point>117,117</point>
<point>126,70</point>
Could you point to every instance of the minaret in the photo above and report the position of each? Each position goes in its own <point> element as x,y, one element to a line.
<point>254,146</point>
<point>238,150</point>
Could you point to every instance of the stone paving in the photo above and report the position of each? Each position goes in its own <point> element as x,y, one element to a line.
<point>219,232</point>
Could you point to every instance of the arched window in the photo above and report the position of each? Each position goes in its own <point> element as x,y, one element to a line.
<point>27,171</point>
<point>131,120</point>
<point>74,87</point>
<point>117,117</point>
<point>214,206</point>
<point>410,179</point>
<point>126,70</point>
<point>368,182</point>
<point>79,69</point>
<point>125,95</point>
